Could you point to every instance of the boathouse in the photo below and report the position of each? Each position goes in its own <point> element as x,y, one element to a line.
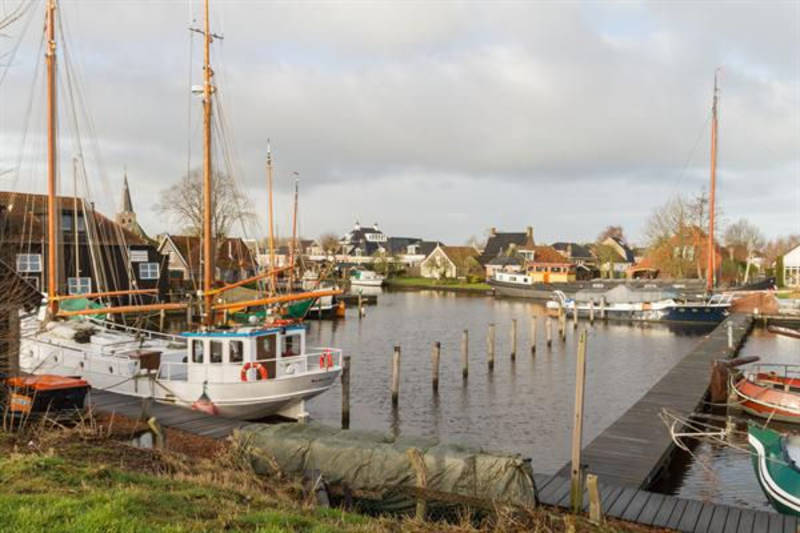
<point>95,254</point>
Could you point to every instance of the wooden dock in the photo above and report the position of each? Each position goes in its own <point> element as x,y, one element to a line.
<point>634,449</point>
<point>664,511</point>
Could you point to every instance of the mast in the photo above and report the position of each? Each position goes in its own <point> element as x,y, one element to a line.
<point>293,244</point>
<point>75,216</point>
<point>52,156</point>
<point>269,217</point>
<point>711,260</point>
<point>208,258</point>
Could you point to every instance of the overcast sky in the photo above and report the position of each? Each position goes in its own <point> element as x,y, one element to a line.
<point>434,119</point>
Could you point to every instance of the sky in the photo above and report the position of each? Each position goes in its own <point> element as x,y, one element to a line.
<point>437,120</point>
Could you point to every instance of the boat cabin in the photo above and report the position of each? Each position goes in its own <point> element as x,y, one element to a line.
<point>245,354</point>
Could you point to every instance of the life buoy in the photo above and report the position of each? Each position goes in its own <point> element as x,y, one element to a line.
<point>326,359</point>
<point>262,371</point>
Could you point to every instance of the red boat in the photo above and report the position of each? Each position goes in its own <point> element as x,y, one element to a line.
<point>770,391</point>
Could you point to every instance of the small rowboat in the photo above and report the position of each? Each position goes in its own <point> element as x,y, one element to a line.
<point>770,391</point>
<point>788,332</point>
<point>776,460</point>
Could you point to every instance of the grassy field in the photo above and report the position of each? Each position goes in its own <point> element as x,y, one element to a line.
<point>443,284</point>
<point>89,479</point>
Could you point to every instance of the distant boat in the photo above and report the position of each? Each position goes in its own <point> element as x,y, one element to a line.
<point>770,391</point>
<point>775,460</point>
<point>366,278</point>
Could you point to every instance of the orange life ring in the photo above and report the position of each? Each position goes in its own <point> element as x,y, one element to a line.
<point>262,371</point>
<point>326,359</point>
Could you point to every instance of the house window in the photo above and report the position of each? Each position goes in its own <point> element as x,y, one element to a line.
<point>79,285</point>
<point>68,222</point>
<point>148,270</point>
<point>29,262</point>
<point>138,256</point>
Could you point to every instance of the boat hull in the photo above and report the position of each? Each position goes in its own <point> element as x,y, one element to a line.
<point>776,472</point>
<point>366,282</point>
<point>768,402</point>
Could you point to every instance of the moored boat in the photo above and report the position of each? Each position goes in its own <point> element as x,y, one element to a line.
<point>776,461</point>
<point>770,391</point>
<point>366,278</point>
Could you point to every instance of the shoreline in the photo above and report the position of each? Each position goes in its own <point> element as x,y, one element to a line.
<point>465,288</point>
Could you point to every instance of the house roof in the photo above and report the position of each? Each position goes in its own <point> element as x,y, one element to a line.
<point>426,247</point>
<point>459,255</point>
<point>504,260</point>
<point>629,256</point>
<point>604,252</point>
<point>26,214</point>
<point>547,254</point>
<point>499,243</point>
<point>399,245</point>
<point>577,251</point>
<point>16,290</point>
<point>232,252</point>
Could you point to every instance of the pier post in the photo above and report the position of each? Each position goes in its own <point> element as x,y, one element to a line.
<point>360,307</point>
<point>574,314</point>
<point>395,375</point>
<point>465,354</point>
<point>435,355</point>
<point>490,347</point>
<point>562,323</point>
<point>576,487</point>
<point>591,312</point>
<point>533,334</point>
<point>162,315</point>
<point>513,339</point>
<point>595,507</point>
<point>602,308</point>
<point>346,392</point>
<point>730,335</point>
<point>548,322</point>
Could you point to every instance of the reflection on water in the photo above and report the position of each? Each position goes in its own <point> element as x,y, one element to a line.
<point>724,474</point>
<point>524,406</point>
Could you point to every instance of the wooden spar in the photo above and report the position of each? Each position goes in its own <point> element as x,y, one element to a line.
<point>208,257</point>
<point>247,280</point>
<point>294,234</point>
<point>269,217</point>
<point>124,309</point>
<point>103,294</point>
<point>277,299</point>
<point>75,215</point>
<point>711,195</point>
<point>52,157</point>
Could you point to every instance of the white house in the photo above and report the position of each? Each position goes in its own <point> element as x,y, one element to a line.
<point>791,267</point>
<point>449,262</point>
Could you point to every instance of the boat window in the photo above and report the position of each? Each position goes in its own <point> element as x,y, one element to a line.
<point>291,345</point>
<point>216,351</point>
<point>266,347</point>
<point>197,351</point>
<point>236,354</point>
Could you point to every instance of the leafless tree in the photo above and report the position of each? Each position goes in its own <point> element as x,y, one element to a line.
<point>747,235</point>
<point>329,243</point>
<point>611,231</point>
<point>183,204</point>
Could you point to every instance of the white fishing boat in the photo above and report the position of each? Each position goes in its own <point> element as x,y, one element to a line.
<point>247,372</point>
<point>366,278</point>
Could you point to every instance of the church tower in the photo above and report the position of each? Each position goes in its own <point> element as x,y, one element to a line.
<point>127,216</point>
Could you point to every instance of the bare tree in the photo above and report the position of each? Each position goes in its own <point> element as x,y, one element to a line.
<point>329,243</point>
<point>183,203</point>
<point>745,234</point>
<point>611,231</point>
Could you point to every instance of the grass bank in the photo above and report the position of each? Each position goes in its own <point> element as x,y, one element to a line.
<point>437,284</point>
<point>89,479</point>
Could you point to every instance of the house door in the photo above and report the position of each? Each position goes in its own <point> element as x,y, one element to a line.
<point>547,277</point>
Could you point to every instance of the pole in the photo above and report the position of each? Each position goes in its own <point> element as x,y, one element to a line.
<point>576,489</point>
<point>711,196</point>
<point>294,234</point>
<point>360,308</point>
<point>395,375</point>
<point>730,335</point>
<point>574,314</point>
<point>75,216</point>
<point>490,347</point>
<point>346,392</point>
<point>270,217</point>
<point>603,308</point>
<point>591,312</point>
<point>513,339</point>
<point>435,355</point>
<point>52,157</point>
<point>533,334</point>
<point>208,247</point>
<point>465,354</point>
<point>549,331</point>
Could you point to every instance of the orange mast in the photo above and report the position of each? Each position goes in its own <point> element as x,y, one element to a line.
<point>52,151</point>
<point>711,260</point>
<point>208,257</point>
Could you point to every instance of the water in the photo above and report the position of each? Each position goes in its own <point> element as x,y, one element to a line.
<point>524,406</point>
<point>723,474</point>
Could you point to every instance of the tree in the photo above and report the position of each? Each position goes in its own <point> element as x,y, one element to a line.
<point>329,243</point>
<point>182,203</point>
<point>611,231</point>
<point>745,234</point>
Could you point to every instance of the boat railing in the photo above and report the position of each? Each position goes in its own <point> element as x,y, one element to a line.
<point>138,331</point>
<point>560,297</point>
<point>783,370</point>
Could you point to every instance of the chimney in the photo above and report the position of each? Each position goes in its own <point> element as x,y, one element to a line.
<point>569,250</point>
<point>492,231</point>
<point>529,232</point>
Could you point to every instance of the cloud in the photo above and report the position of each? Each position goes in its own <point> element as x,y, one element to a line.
<point>567,117</point>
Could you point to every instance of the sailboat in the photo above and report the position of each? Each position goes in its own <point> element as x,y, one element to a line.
<point>247,372</point>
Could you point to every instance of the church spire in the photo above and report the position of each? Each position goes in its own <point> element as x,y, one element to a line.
<point>127,204</point>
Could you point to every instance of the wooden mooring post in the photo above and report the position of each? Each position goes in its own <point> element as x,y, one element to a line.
<point>465,354</point>
<point>360,307</point>
<point>395,375</point>
<point>576,473</point>
<point>513,339</point>
<point>730,335</point>
<point>574,314</point>
<point>490,347</point>
<point>533,334</point>
<point>591,311</point>
<point>548,330</point>
<point>562,323</point>
<point>435,356</point>
<point>346,392</point>
<point>595,506</point>
<point>602,308</point>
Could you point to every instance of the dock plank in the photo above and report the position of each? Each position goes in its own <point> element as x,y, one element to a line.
<point>704,519</point>
<point>718,519</point>
<point>746,520</point>
<point>691,515</point>
<point>650,509</point>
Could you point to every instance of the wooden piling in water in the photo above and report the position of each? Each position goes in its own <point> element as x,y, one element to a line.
<point>533,334</point>
<point>591,311</point>
<point>513,339</point>
<point>490,347</point>
<point>465,354</point>
<point>576,487</point>
<point>574,314</point>
<point>435,356</point>
<point>395,375</point>
<point>549,331</point>
<point>360,307</point>
<point>562,323</point>
<point>346,392</point>
<point>602,308</point>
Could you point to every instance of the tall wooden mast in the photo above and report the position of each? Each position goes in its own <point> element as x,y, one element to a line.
<point>208,245</point>
<point>52,157</point>
<point>711,197</point>
<point>293,244</point>
<point>270,217</point>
